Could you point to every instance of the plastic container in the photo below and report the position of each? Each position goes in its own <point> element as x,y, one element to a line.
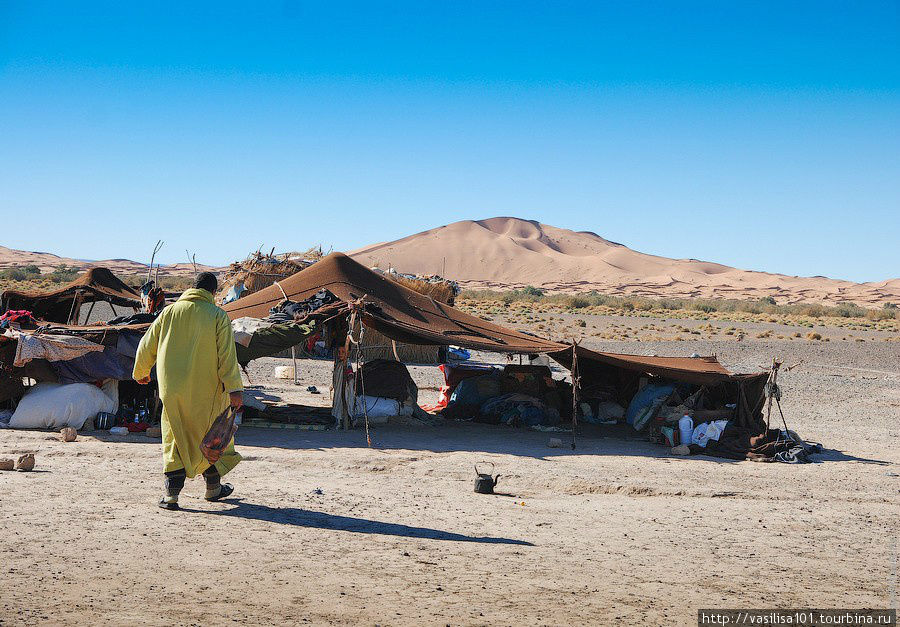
<point>284,372</point>
<point>685,430</point>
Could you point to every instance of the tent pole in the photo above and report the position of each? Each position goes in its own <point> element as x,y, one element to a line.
<point>74,308</point>
<point>294,358</point>
<point>90,310</point>
<point>345,413</point>
<point>576,383</point>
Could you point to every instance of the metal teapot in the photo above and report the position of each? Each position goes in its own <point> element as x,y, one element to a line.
<point>484,482</point>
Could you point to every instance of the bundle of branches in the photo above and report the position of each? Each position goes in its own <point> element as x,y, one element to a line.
<point>260,270</point>
<point>441,290</point>
<point>377,346</point>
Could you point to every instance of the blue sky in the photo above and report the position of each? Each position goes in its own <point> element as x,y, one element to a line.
<point>764,135</point>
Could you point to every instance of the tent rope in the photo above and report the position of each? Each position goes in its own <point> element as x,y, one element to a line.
<point>282,290</point>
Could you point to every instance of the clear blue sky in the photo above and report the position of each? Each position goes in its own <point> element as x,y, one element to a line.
<point>764,135</point>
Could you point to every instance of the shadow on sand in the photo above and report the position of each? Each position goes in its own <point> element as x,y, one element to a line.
<point>320,520</point>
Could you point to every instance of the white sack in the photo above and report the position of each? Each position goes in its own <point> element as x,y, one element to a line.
<point>57,405</point>
<point>378,409</point>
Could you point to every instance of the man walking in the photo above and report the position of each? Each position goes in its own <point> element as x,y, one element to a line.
<point>192,345</point>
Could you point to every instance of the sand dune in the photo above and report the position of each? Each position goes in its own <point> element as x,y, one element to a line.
<point>47,262</point>
<point>511,252</point>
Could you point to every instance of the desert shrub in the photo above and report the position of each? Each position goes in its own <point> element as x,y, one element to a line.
<point>813,311</point>
<point>530,290</point>
<point>20,273</point>
<point>63,274</point>
<point>849,310</point>
<point>704,307</point>
<point>881,314</point>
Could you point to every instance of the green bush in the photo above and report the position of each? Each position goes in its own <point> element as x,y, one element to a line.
<point>63,274</point>
<point>848,310</point>
<point>23,273</point>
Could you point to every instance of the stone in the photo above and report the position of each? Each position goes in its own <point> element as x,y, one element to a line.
<point>7,464</point>
<point>681,449</point>
<point>68,434</point>
<point>153,432</point>
<point>25,462</point>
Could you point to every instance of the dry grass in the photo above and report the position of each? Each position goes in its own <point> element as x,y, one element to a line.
<point>518,304</point>
<point>260,270</point>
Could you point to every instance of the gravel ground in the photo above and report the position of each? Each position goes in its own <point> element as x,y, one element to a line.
<point>323,529</point>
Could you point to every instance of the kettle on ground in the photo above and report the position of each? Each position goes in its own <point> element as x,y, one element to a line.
<point>484,482</point>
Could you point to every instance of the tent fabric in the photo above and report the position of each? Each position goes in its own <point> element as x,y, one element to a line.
<point>272,340</point>
<point>97,284</point>
<point>699,370</point>
<point>392,309</point>
<point>623,372</point>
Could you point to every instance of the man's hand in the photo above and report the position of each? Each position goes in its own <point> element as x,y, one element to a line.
<point>144,381</point>
<point>237,400</point>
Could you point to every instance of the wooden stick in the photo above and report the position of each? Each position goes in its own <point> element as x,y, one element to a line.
<point>576,382</point>
<point>90,310</point>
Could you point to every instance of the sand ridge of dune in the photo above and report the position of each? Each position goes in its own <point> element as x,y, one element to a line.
<point>507,252</point>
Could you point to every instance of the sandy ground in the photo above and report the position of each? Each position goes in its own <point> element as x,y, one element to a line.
<point>322,529</point>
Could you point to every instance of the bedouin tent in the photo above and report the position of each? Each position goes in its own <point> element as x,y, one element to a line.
<point>394,310</point>
<point>407,316</point>
<point>63,305</point>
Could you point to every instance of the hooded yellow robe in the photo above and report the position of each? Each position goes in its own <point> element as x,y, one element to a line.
<point>192,345</point>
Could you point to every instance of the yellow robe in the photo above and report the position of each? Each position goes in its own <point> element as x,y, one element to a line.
<point>192,345</point>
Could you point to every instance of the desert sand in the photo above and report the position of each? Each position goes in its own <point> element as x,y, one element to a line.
<point>324,530</point>
<point>47,262</point>
<point>502,253</point>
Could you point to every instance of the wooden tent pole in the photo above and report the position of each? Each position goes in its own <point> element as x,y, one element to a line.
<point>73,310</point>
<point>87,320</point>
<point>576,384</point>
<point>345,414</point>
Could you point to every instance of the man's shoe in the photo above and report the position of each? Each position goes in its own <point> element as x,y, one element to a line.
<point>217,494</point>
<point>169,503</point>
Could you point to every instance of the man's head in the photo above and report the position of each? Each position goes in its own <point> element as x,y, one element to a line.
<point>207,281</point>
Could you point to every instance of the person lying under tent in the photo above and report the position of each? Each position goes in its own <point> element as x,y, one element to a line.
<point>192,345</point>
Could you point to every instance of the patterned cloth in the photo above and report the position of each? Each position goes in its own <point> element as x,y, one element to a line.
<point>49,347</point>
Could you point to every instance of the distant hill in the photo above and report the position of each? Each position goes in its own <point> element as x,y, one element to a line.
<point>508,252</point>
<point>47,261</point>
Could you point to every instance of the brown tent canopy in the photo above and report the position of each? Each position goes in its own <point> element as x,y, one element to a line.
<point>699,370</point>
<point>61,305</point>
<point>392,309</point>
<point>407,316</point>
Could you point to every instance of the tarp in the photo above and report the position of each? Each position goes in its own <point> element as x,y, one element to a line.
<point>97,284</point>
<point>392,309</point>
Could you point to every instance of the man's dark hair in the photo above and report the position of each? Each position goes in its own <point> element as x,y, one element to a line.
<point>207,281</point>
